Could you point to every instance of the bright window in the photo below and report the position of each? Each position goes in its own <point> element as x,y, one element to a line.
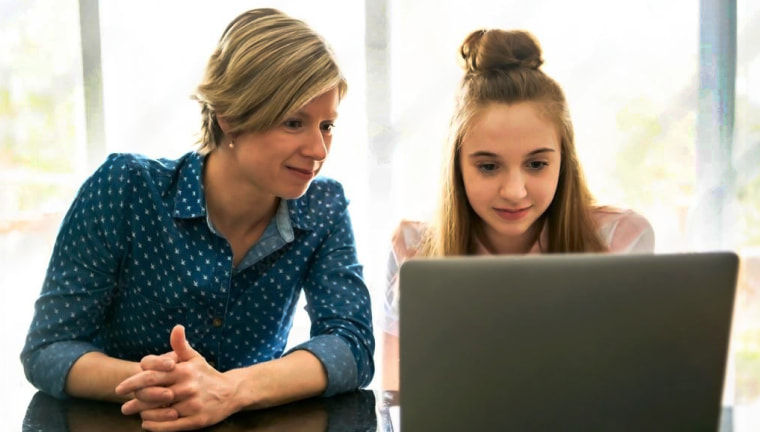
<point>42,147</point>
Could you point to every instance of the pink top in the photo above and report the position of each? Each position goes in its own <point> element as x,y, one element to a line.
<point>621,231</point>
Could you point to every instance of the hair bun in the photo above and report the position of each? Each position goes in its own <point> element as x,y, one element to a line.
<point>487,50</point>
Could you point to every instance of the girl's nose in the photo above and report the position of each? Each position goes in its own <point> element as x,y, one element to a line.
<point>513,187</point>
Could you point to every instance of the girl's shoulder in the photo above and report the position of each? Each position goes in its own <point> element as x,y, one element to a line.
<point>407,239</point>
<point>624,230</point>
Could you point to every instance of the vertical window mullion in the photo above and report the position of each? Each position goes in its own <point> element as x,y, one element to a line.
<point>89,24</point>
<point>716,178</point>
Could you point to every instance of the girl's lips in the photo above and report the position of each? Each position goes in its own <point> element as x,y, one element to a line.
<point>512,214</point>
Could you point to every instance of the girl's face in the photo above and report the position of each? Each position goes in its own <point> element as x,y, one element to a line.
<point>282,161</point>
<point>510,162</point>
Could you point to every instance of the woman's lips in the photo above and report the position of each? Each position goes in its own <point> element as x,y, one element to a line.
<point>303,174</point>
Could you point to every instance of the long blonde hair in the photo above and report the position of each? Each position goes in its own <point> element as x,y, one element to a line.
<point>504,67</point>
<point>265,66</point>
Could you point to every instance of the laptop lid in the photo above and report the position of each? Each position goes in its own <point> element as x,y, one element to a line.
<point>565,342</point>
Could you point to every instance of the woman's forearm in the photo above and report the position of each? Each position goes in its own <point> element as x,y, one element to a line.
<point>299,375</point>
<point>95,376</point>
<point>296,376</point>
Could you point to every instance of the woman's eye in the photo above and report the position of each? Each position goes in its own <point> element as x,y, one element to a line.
<point>536,165</point>
<point>292,123</point>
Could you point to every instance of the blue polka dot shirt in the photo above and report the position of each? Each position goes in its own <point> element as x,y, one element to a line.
<point>136,254</point>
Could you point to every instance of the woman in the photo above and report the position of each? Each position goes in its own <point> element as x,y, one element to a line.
<point>215,246</point>
<point>512,182</point>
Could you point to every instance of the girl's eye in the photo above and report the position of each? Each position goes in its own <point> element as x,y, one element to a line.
<point>328,127</point>
<point>487,167</point>
<point>536,165</point>
<point>292,123</point>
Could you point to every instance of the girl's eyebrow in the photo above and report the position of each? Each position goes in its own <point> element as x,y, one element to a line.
<point>494,155</point>
<point>483,154</point>
<point>540,150</point>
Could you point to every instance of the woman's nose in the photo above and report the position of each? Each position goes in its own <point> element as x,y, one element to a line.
<point>317,146</point>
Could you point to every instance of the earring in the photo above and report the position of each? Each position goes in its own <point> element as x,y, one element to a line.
<point>232,143</point>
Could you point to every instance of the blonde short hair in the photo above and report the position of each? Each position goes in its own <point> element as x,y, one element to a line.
<point>265,66</point>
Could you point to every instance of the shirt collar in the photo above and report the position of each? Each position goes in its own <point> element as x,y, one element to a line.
<point>190,201</point>
<point>300,213</point>
<point>284,225</point>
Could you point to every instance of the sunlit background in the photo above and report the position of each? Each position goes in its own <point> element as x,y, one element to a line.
<point>665,99</point>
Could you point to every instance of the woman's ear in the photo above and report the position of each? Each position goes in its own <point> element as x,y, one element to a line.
<point>225,127</point>
<point>223,124</point>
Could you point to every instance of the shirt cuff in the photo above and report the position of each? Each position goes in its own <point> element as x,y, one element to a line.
<point>50,369</point>
<point>338,361</point>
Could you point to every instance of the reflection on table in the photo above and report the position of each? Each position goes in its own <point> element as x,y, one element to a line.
<point>354,411</point>
<point>390,413</point>
<point>359,411</point>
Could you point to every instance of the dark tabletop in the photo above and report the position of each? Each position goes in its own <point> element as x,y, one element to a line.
<point>358,411</point>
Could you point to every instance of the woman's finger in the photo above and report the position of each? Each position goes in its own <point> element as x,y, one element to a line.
<point>162,414</point>
<point>149,378</point>
<point>164,363</point>
<point>155,395</point>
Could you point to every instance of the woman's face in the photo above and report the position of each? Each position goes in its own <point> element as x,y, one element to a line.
<point>282,161</point>
<point>510,162</point>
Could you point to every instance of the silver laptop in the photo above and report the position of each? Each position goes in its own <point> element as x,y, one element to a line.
<point>586,342</point>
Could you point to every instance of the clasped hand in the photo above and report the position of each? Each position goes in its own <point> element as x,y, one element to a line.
<point>178,390</point>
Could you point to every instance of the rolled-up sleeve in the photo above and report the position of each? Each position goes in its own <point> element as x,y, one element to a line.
<point>338,304</point>
<point>79,283</point>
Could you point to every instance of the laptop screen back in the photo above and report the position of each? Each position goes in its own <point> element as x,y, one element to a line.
<point>565,342</point>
